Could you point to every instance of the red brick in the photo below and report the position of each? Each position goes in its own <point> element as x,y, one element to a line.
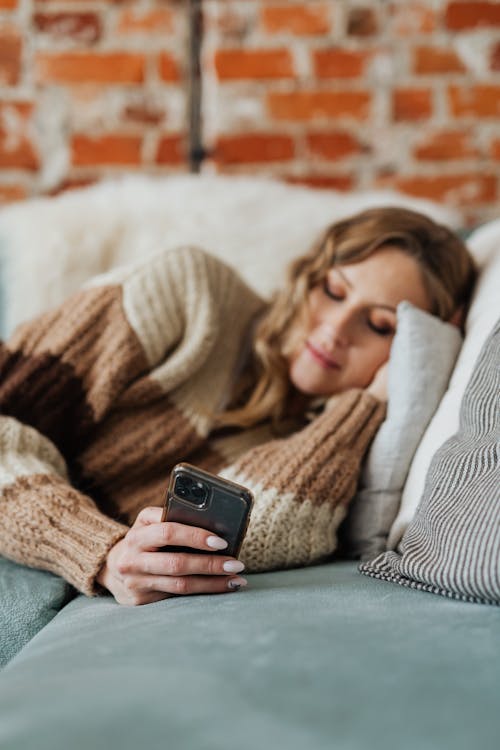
<point>17,153</point>
<point>232,64</point>
<point>339,63</point>
<point>326,182</point>
<point>171,150</point>
<point>454,189</point>
<point>412,104</point>
<point>10,57</point>
<point>77,67</point>
<point>445,145</point>
<point>334,145</point>
<point>81,27</point>
<point>11,193</point>
<point>362,22</point>
<point>470,15</point>
<point>253,147</point>
<point>312,105</point>
<point>411,18</point>
<point>430,60</point>
<point>107,149</point>
<point>478,101</point>
<point>302,20</point>
<point>8,4</point>
<point>495,57</point>
<point>145,114</point>
<point>495,149</point>
<point>168,68</point>
<point>135,21</point>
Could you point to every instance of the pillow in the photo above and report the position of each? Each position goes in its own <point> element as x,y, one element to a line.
<point>422,357</point>
<point>452,546</point>
<point>29,599</point>
<point>484,244</point>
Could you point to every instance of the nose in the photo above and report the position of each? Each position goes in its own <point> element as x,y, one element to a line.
<point>334,330</point>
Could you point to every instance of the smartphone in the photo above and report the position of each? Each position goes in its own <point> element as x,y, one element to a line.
<point>197,498</point>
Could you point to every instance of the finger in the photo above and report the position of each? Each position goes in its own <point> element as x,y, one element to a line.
<point>186,564</point>
<point>156,535</point>
<point>142,597</point>
<point>186,585</point>
<point>147,516</point>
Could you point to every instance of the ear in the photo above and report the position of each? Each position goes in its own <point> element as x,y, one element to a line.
<point>458,317</point>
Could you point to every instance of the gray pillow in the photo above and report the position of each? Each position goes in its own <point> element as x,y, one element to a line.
<point>452,546</point>
<point>29,599</point>
<point>422,358</point>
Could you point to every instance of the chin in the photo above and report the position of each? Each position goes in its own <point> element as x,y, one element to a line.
<point>310,388</point>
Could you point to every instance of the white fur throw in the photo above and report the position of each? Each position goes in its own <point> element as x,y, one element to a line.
<point>51,246</point>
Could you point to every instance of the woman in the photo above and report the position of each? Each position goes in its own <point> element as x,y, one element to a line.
<point>177,359</point>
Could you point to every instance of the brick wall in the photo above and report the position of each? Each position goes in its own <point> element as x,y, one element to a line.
<point>90,88</point>
<point>358,93</point>
<point>337,93</point>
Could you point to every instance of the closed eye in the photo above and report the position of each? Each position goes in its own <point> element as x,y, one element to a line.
<point>381,330</point>
<point>330,293</point>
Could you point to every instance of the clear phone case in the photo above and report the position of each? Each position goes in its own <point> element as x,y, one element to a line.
<point>197,498</point>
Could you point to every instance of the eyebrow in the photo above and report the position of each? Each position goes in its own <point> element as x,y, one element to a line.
<point>348,283</point>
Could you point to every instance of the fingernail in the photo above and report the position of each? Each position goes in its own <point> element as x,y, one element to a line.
<point>233,566</point>
<point>216,542</point>
<point>236,583</point>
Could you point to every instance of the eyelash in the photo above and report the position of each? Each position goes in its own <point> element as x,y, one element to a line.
<point>329,292</point>
<point>337,298</point>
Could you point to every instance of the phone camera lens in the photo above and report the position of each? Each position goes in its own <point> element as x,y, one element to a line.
<point>199,492</point>
<point>182,486</point>
<point>190,489</point>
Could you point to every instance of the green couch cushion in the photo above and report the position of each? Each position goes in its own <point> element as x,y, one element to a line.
<point>29,599</point>
<point>318,657</point>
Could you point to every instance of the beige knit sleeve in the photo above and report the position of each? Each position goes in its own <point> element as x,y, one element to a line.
<point>45,522</point>
<point>303,484</point>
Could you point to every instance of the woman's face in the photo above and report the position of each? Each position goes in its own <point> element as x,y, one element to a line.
<point>352,322</point>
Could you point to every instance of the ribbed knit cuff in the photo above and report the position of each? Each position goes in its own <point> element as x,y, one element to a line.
<point>80,545</point>
<point>47,524</point>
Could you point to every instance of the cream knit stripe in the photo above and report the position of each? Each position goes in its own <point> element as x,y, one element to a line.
<point>168,298</point>
<point>206,390</point>
<point>51,526</point>
<point>25,451</point>
<point>283,533</point>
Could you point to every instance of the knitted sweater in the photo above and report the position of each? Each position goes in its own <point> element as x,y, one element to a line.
<point>102,396</point>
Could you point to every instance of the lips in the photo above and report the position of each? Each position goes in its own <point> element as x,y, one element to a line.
<point>323,359</point>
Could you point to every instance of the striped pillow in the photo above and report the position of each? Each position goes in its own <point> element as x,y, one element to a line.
<point>452,546</point>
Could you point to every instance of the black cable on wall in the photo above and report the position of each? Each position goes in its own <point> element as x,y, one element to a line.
<point>196,149</point>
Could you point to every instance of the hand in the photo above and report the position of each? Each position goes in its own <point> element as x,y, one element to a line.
<point>136,573</point>
<point>378,386</point>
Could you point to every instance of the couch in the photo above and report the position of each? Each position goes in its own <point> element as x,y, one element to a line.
<point>318,657</point>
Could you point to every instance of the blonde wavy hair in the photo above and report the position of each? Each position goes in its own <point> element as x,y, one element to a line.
<point>448,273</point>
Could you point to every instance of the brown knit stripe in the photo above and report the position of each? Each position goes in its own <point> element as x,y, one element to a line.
<point>134,443</point>
<point>43,392</point>
<point>92,337</point>
<point>126,503</point>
